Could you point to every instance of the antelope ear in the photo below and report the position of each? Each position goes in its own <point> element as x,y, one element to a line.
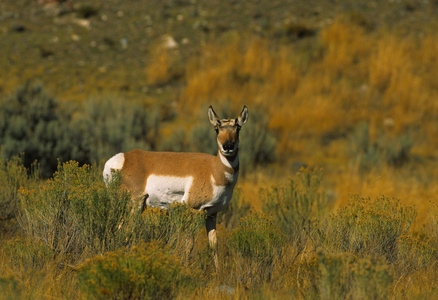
<point>212,116</point>
<point>243,117</point>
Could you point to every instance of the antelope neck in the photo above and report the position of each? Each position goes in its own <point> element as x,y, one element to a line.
<point>231,162</point>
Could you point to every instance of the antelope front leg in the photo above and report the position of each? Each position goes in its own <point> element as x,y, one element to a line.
<point>210,224</point>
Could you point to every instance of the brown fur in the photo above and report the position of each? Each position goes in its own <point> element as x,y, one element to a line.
<point>140,164</point>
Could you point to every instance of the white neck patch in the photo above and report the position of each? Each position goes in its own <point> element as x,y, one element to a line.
<point>231,177</point>
<point>227,163</point>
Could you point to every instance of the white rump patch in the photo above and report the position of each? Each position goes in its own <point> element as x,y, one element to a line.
<point>115,163</point>
<point>164,190</point>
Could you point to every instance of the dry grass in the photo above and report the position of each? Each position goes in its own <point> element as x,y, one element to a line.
<point>161,68</point>
<point>244,71</point>
<point>411,186</point>
<point>353,75</point>
<point>29,275</point>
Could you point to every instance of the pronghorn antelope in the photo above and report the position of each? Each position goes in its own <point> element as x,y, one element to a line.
<point>202,181</point>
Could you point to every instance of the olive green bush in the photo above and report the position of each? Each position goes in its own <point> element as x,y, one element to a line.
<point>33,123</point>
<point>257,244</point>
<point>365,227</point>
<point>419,249</point>
<point>145,271</point>
<point>432,225</point>
<point>27,254</point>
<point>106,126</point>
<point>74,213</point>
<point>294,205</point>
<point>258,142</point>
<point>416,251</point>
<point>345,276</point>
<point>202,138</point>
<point>175,142</point>
<point>177,227</point>
<point>13,175</point>
<point>11,287</point>
<point>385,150</point>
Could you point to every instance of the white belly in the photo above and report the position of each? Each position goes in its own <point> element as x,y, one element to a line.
<point>163,190</point>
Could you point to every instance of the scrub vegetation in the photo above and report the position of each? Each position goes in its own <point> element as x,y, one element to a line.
<point>337,197</point>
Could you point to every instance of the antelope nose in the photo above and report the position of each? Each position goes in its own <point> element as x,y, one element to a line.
<point>228,146</point>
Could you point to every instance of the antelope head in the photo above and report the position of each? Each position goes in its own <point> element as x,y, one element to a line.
<point>227,131</point>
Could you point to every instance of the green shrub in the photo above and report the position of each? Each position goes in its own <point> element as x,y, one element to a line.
<point>26,254</point>
<point>294,205</point>
<point>257,238</point>
<point>145,271</point>
<point>178,227</point>
<point>343,276</point>
<point>202,138</point>
<point>258,143</point>
<point>386,150</point>
<point>74,212</point>
<point>335,276</point>
<point>175,142</point>
<point>416,251</point>
<point>432,226</point>
<point>33,123</point>
<point>419,250</point>
<point>364,227</point>
<point>256,245</point>
<point>11,287</point>
<point>149,225</point>
<point>106,126</point>
<point>13,175</point>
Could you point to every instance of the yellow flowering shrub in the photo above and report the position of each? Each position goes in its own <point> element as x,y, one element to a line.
<point>257,245</point>
<point>145,271</point>
<point>344,275</point>
<point>366,227</point>
<point>294,204</point>
<point>13,175</point>
<point>178,226</point>
<point>74,212</point>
